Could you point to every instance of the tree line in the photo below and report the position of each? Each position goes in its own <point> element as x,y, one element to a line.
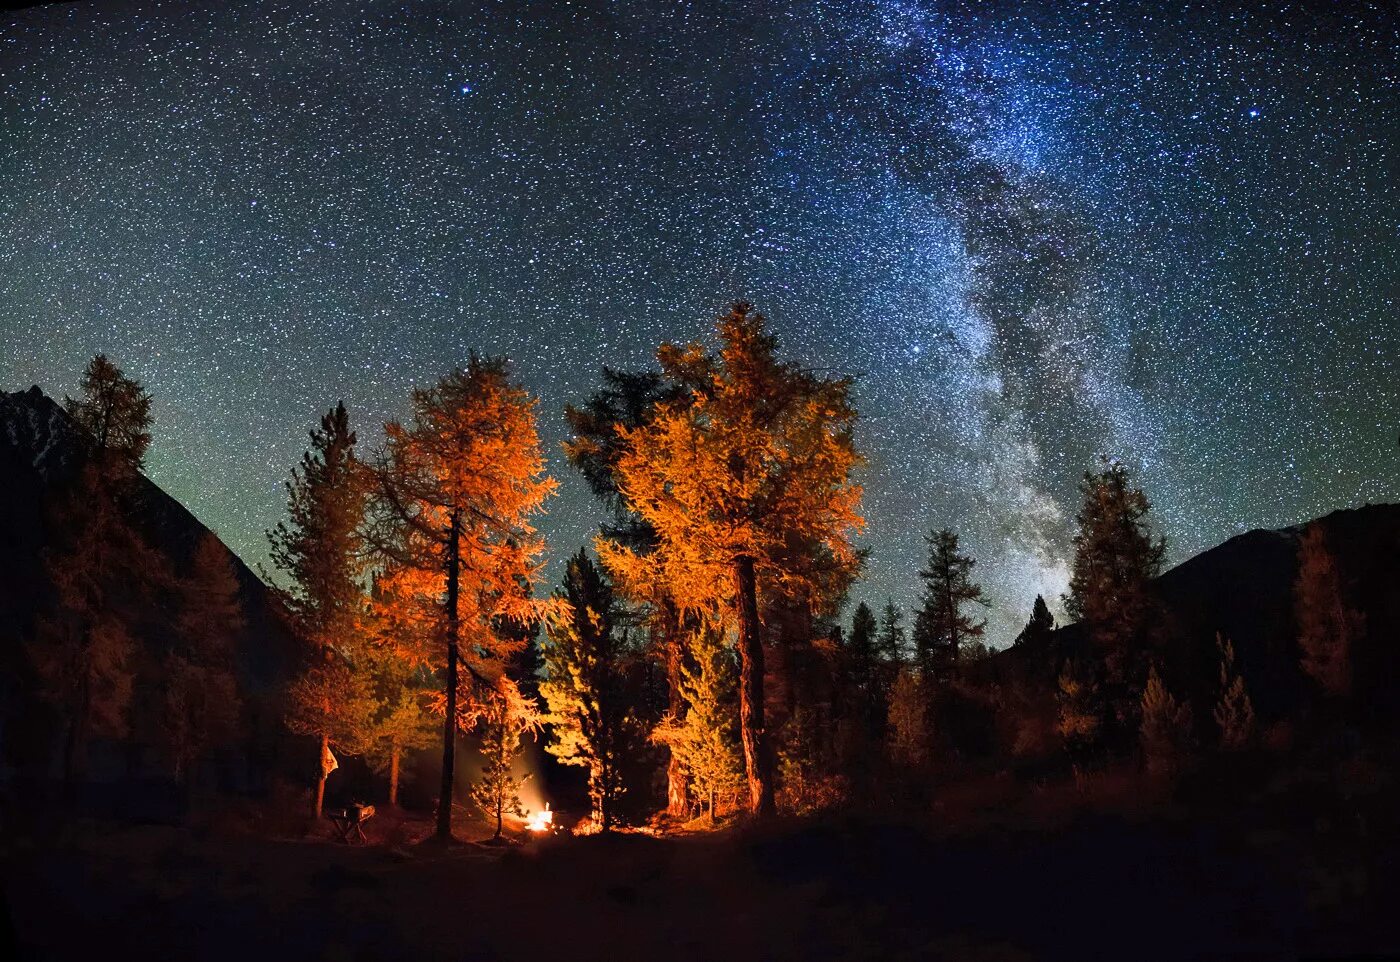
<point>697,655</point>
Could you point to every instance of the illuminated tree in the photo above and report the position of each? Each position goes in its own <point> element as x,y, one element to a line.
<point>99,566</point>
<point>1166,727</point>
<point>455,491</point>
<point>320,550</point>
<point>200,704</point>
<point>626,402</point>
<point>1080,712</point>
<point>1327,626</point>
<point>400,721</point>
<point>1040,626</point>
<point>754,456</point>
<point>908,721</point>
<point>502,718</point>
<point>585,688</point>
<point>1234,712</point>
<point>941,628</point>
<point>704,736</point>
<point>1115,556</point>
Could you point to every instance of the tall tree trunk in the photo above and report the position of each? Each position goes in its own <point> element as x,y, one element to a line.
<point>675,702</point>
<point>449,725</point>
<point>394,754</point>
<point>321,780</point>
<point>758,763</point>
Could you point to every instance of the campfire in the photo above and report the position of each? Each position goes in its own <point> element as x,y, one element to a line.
<point>542,821</point>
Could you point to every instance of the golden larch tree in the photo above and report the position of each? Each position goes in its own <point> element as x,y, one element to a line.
<point>456,489</point>
<point>752,456</point>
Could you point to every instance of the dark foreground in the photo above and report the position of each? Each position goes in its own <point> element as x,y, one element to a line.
<point>1099,886</point>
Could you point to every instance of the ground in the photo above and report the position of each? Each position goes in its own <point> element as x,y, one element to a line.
<point>1094,885</point>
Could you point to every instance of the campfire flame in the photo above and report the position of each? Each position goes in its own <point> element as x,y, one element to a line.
<point>541,821</point>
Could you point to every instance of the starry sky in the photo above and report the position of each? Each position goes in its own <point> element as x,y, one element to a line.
<point>1034,232</point>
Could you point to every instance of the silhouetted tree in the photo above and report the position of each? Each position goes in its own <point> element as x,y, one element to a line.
<point>941,627</point>
<point>503,718</point>
<point>1040,626</point>
<point>1115,556</point>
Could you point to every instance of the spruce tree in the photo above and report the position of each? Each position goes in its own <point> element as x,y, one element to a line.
<point>704,736</point>
<point>585,688</point>
<point>1166,727</point>
<point>629,401</point>
<point>320,551</point>
<point>503,718</point>
<point>942,626</point>
<point>1039,627</point>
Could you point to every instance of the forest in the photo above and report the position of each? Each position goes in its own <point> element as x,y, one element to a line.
<point>700,670</point>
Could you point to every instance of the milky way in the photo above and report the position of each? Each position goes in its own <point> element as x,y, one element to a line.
<point>1034,233</point>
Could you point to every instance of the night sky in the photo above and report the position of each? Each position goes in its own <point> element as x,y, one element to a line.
<point>1033,232</point>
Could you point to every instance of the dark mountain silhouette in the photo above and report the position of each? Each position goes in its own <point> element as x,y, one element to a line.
<point>41,451</point>
<point>1243,589</point>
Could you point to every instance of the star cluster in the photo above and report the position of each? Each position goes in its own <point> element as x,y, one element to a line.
<point>1034,232</point>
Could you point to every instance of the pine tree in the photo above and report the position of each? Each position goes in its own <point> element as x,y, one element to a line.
<point>320,550</point>
<point>1080,709</point>
<point>1039,627</point>
<point>753,459</point>
<point>454,494</point>
<point>399,721</point>
<point>1234,712</point>
<point>941,628</point>
<point>99,566</point>
<point>865,681</point>
<point>1327,626</point>
<point>1115,556</point>
<point>704,737</point>
<point>585,688</point>
<point>1166,727</point>
<point>200,704</point>
<point>503,718</point>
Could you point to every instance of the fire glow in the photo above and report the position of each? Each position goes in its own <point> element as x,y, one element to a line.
<point>541,821</point>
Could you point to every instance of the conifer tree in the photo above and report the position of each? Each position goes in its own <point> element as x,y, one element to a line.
<point>98,566</point>
<point>585,687</point>
<point>862,650</point>
<point>399,721</point>
<point>908,721</point>
<point>704,737</point>
<point>1080,710</point>
<point>115,412</point>
<point>1327,626</point>
<point>200,705</point>
<point>320,550</point>
<point>503,717</point>
<point>942,627</point>
<point>455,491</point>
<point>1234,712</point>
<point>1166,727</point>
<point>754,457</point>
<point>1115,556</point>
<point>628,401</point>
<point>1040,626</point>
<point>893,643</point>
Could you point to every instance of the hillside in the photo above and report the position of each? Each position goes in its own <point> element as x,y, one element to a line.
<point>40,452</point>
